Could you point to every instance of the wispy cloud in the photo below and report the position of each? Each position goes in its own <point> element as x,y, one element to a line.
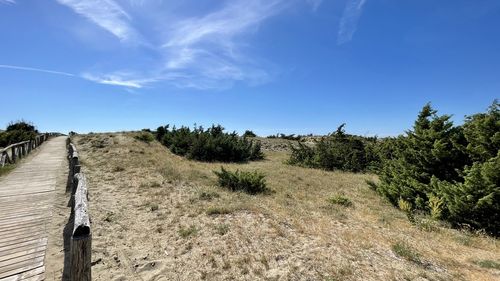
<point>349,20</point>
<point>119,79</point>
<point>107,14</point>
<point>206,51</point>
<point>15,67</point>
<point>7,2</point>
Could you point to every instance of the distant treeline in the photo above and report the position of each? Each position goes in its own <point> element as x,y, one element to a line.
<point>17,132</point>
<point>212,144</point>
<point>288,137</point>
<point>451,172</point>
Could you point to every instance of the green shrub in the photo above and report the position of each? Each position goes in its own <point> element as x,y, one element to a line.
<point>249,134</point>
<point>488,264</point>
<point>250,182</point>
<point>405,251</point>
<point>145,136</point>
<point>17,132</point>
<point>337,151</point>
<point>186,232</point>
<point>212,211</point>
<point>340,200</point>
<point>209,145</point>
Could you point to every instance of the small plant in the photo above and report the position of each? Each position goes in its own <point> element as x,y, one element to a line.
<point>187,232</point>
<point>250,182</point>
<point>436,207</point>
<point>145,136</point>
<point>152,206</point>
<point>208,195</point>
<point>406,207</point>
<point>371,184</point>
<point>222,229</point>
<point>212,211</point>
<point>405,251</point>
<point>117,169</point>
<point>488,264</point>
<point>340,200</point>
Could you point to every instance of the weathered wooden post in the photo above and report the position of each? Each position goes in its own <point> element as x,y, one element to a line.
<point>81,239</point>
<point>14,156</point>
<point>23,151</point>
<point>30,147</point>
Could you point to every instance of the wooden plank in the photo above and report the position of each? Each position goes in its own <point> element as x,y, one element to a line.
<point>22,253</point>
<point>36,274</point>
<point>22,258</point>
<point>21,267</point>
<point>33,243</point>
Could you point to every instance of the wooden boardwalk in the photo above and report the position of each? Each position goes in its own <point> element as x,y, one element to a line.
<point>26,200</point>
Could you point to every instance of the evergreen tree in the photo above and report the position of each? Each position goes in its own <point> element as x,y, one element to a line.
<point>433,148</point>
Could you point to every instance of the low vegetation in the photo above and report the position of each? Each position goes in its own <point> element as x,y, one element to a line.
<point>249,182</point>
<point>337,151</point>
<point>340,200</point>
<point>405,251</point>
<point>209,145</point>
<point>144,136</point>
<point>169,210</point>
<point>17,132</point>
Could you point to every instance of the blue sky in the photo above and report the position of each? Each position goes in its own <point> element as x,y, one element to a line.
<point>290,66</point>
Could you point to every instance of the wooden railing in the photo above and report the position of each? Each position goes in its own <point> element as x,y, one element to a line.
<point>81,237</point>
<point>20,149</point>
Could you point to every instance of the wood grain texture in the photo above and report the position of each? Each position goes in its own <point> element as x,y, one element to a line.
<point>26,200</point>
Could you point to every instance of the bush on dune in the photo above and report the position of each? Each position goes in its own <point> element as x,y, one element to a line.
<point>209,145</point>
<point>17,132</point>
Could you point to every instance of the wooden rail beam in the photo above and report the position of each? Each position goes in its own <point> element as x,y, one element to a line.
<point>81,238</point>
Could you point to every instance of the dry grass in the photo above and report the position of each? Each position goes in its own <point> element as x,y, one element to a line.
<point>162,217</point>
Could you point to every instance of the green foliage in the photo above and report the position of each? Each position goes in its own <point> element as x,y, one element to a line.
<point>17,132</point>
<point>212,144</point>
<point>187,232</point>
<point>145,136</point>
<point>432,148</point>
<point>405,251</point>
<point>337,151</point>
<point>285,137</point>
<point>483,133</point>
<point>340,200</point>
<point>450,172</point>
<point>476,201</point>
<point>249,182</point>
<point>488,264</point>
<point>218,211</point>
<point>249,134</point>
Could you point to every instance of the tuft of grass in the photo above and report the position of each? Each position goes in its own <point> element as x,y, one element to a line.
<point>222,229</point>
<point>340,200</point>
<point>152,206</point>
<point>146,137</point>
<point>215,210</point>
<point>208,195</point>
<point>188,232</point>
<point>6,169</point>
<point>249,182</point>
<point>488,264</point>
<point>117,169</point>
<point>371,184</point>
<point>405,251</point>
